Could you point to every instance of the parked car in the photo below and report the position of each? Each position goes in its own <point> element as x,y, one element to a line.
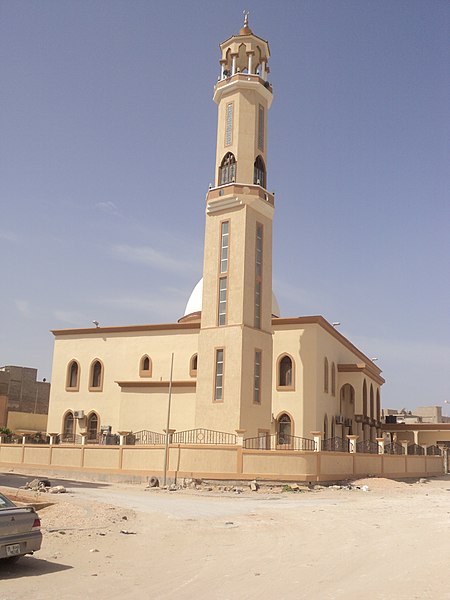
<point>20,530</point>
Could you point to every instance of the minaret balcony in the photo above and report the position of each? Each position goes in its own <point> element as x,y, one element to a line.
<point>246,80</point>
<point>239,189</point>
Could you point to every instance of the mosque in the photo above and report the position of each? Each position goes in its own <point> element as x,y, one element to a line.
<point>231,363</point>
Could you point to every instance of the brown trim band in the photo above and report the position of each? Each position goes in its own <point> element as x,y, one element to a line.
<point>147,384</point>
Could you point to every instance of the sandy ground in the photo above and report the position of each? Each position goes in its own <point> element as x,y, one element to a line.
<point>392,541</point>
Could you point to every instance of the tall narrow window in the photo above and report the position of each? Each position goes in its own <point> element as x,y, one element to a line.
<point>257,380</point>
<point>261,128</point>
<point>258,274</point>
<point>96,377</point>
<point>285,372</point>
<point>92,427</point>
<point>372,409</point>
<point>229,124</point>
<point>218,379</point>
<point>333,379</point>
<point>227,171</point>
<point>73,373</point>
<point>258,305</point>
<point>259,172</point>
<point>68,427</point>
<point>325,375</point>
<point>365,399</point>
<point>224,247</point>
<point>222,312</point>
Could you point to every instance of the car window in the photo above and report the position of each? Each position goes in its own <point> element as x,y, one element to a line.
<point>4,502</point>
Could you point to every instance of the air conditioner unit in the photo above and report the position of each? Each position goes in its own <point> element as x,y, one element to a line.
<point>78,414</point>
<point>339,419</point>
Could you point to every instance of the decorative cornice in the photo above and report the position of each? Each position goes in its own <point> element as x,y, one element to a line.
<point>98,331</point>
<point>156,384</point>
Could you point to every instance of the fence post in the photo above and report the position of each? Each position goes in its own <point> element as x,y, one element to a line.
<point>169,433</point>
<point>240,436</point>
<point>317,435</point>
<point>123,435</point>
<point>83,438</point>
<point>380,442</point>
<point>52,437</point>
<point>352,443</point>
<point>404,443</point>
<point>1,439</point>
<point>424,446</point>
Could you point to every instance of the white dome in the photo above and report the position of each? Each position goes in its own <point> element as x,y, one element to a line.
<point>194,303</point>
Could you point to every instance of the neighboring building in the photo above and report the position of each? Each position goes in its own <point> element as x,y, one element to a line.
<point>237,365</point>
<point>23,400</point>
<point>422,414</point>
<point>425,426</point>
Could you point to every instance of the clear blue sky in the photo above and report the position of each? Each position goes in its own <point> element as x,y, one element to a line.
<point>107,148</point>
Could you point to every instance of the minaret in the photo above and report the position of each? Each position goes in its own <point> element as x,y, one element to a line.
<point>234,378</point>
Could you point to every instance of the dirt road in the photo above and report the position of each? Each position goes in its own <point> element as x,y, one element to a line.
<point>117,542</point>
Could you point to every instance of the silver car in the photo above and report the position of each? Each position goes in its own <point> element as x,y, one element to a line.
<point>20,530</point>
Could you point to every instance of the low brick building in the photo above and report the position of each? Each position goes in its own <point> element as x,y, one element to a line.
<point>23,399</point>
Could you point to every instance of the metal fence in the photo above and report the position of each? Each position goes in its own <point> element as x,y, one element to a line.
<point>415,450</point>
<point>336,444</point>
<point>434,451</point>
<point>276,442</point>
<point>203,436</point>
<point>367,447</point>
<point>394,448</point>
<point>146,438</point>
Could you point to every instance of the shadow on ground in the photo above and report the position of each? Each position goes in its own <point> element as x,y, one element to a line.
<point>14,480</point>
<point>29,566</point>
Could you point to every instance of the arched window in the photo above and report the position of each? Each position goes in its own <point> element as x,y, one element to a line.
<point>333,379</point>
<point>372,408</point>
<point>259,172</point>
<point>378,405</point>
<point>227,171</point>
<point>96,378</point>
<point>68,427</point>
<point>285,377</point>
<point>347,400</point>
<point>92,427</point>
<point>73,373</point>
<point>325,375</point>
<point>145,366</point>
<point>284,429</point>
<point>365,399</point>
<point>193,366</point>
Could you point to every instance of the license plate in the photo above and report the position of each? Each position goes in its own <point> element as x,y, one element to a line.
<point>13,550</point>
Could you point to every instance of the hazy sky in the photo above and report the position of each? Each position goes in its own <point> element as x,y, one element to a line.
<point>107,143</point>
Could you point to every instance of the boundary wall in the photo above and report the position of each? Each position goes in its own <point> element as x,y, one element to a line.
<point>217,462</point>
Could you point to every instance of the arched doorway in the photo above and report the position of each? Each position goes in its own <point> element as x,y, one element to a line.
<point>284,429</point>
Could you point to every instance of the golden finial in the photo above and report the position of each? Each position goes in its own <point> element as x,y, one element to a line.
<point>245,30</point>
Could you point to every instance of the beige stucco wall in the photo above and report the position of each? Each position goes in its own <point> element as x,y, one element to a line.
<point>125,409</point>
<point>18,421</point>
<point>308,404</point>
<point>221,462</point>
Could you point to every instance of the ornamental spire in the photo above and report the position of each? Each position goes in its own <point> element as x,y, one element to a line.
<point>245,30</point>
